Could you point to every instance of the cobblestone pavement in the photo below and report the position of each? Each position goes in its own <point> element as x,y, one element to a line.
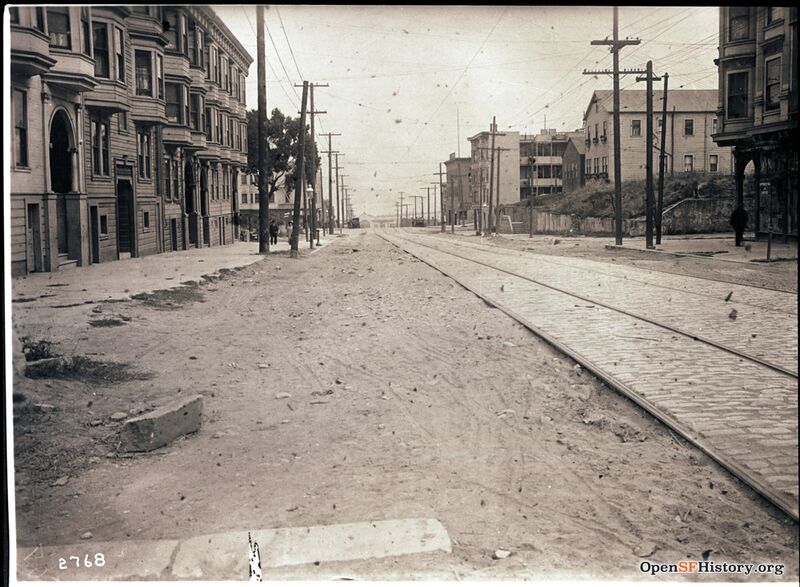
<point>765,323</point>
<point>739,410</point>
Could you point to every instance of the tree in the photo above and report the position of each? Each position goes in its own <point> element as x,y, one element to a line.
<point>283,133</point>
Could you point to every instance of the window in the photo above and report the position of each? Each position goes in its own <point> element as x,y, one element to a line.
<point>688,127</point>
<point>160,76</point>
<point>208,124</point>
<point>605,165</point>
<point>636,128</point>
<point>688,163</point>
<point>196,112</point>
<point>167,178</point>
<point>738,106</point>
<point>195,45</point>
<point>170,27</point>
<point>186,108</point>
<point>146,220</point>
<point>738,23</point>
<point>40,19</point>
<point>174,93</point>
<point>218,136</point>
<point>774,14</point>
<point>713,126</point>
<point>20,104</point>
<point>713,163</point>
<point>144,73</point>
<point>101,60</point>
<point>175,180</point>
<point>86,31</point>
<point>100,147</point>
<point>122,122</point>
<point>58,25</point>
<point>230,131</point>
<point>143,153</point>
<point>225,185</point>
<point>605,128</point>
<point>119,47</point>
<point>13,15</point>
<point>184,48</point>
<point>103,225</point>
<point>772,84</point>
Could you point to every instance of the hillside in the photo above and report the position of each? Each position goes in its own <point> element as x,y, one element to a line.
<point>596,199</point>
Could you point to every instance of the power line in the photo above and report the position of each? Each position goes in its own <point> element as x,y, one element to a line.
<point>450,91</point>
<point>288,42</point>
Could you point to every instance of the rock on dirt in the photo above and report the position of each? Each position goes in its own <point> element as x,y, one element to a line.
<point>163,425</point>
<point>500,554</point>
<point>283,395</point>
<point>60,482</point>
<point>118,416</point>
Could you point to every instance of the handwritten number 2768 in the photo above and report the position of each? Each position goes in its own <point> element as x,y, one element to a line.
<point>99,561</point>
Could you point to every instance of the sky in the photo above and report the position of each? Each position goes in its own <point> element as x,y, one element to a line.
<point>409,84</point>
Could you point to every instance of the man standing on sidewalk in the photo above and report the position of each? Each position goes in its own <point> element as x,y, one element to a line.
<point>273,233</point>
<point>739,222</point>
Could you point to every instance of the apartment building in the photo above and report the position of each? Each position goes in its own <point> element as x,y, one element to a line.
<point>758,109</point>
<point>506,159</point>
<point>690,123</point>
<point>541,161</point>
<point>574,164</point>
<point>129,132</point>
<point>458,200</point>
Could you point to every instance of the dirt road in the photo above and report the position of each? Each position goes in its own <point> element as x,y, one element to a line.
<point>409,397</point>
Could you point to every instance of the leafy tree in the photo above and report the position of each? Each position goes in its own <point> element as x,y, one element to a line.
<point>283,133</point>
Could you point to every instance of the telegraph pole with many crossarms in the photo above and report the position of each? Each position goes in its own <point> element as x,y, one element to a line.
<point>441,195</point>
<point>615,46</point>
<point>330,178</point>
<point>648,206</point>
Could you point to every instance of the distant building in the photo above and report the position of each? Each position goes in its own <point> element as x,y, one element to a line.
<point>129,132</point>
<point>574,164</point>
<point>508,153</point>
<point>540,162</point>
<point>691,121</point>
<point>758,108</point>
<point>459,197</point>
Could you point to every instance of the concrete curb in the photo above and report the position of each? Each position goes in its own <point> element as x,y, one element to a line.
<point>224,555</point>
<point>679,254</point>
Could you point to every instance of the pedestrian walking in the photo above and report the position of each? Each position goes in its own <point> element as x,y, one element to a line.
<point>739,222</point>
<point>273,233</point>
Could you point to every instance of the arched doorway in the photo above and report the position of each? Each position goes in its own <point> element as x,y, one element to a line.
<point>61,154</point>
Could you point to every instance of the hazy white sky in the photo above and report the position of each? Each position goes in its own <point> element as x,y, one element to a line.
<point>401,78</point>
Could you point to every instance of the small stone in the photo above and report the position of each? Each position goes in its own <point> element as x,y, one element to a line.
<point>263,365</point>
<point>86,536</point>
<point>60,482</point>
<point>339,381</point>
<point>645,549</point>
<point>96,423</point>
<point>577,369</point>
<point>283,395</point>
<point>500,554</point>
<point>509,344</point>
<point>45,407</point>
<point>733,314</point>
<point>119,416</point>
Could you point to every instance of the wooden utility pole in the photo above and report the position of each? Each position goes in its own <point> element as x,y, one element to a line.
<point>649,199</point>
<point>313,223</point>
<point>263,197</point>
<point>494,133</point>
<point>401,210</point>
<point>298,173</point>
<point>661,162</point>
<point>421,204</point>
<point>615,46</point>
<point>441,195</point>
<point>338,204</point>
<point>330,179</point>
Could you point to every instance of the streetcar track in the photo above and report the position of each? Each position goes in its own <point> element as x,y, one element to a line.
<point>674,329</point>
<point>521,255</point>
<point>757,483</point>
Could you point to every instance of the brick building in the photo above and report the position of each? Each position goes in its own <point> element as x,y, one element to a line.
<point>691,122</point>
<point>758,108</point>
<point>129,132</point>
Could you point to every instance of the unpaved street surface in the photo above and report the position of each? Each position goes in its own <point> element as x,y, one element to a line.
<point>408,397</point>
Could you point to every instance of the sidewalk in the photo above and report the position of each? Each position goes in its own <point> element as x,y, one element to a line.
<point>719,246</point>
<point>122,279</point>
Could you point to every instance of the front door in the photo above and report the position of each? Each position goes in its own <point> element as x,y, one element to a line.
<point>33,240</point>
<point>173,230</point>
<point>126,220</point>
